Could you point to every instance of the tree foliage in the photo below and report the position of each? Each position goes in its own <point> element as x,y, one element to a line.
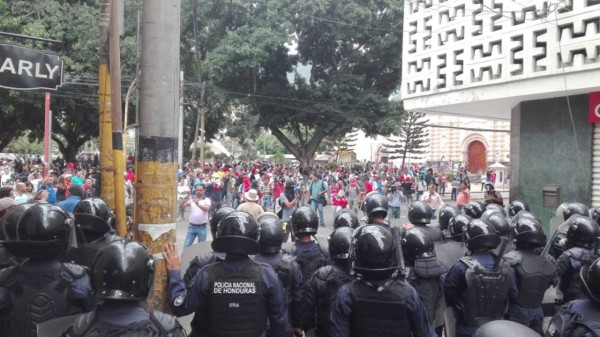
<point>410,139</point>
<point>343,64</point>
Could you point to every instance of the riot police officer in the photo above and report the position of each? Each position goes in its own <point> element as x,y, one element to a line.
<point>502,328</point>
<point>582,237</point>
<point>534,273</point>
<point>474,209</point>
<point>501,225</point>
<point>41,288</point>
<point>234,297</point>
<point>575,208</point>
<point>11,219</point>
<point>321,288</point>
<point>419,214</point>
<point>424,272</point>
<point>205,259</point>
<point>287,270</point>
<point>516,206</point>
<point>580,317</point>
<point>309,254</point>
<point>93,221</point>
<point>495,207</point>
<point>479,285</point>
<point>345,218</point>
<point>446,213</point>
<point>377,302</point>
<point>376,208</point>
<point>122,274</point>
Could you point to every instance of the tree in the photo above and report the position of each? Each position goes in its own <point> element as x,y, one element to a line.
<point>411,138</point>
<point>337,145</point>
<point>344,65</point>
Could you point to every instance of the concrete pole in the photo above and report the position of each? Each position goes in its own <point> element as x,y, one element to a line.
<point>117,120</point>
<point>155,202</point>
<point>104,92</point>
<point>180,135</point>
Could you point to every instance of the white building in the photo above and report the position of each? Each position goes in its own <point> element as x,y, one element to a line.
<point>535,63</point>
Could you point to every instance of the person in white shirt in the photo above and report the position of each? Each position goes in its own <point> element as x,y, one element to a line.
<point>432,198</point>
<point>199,206</point>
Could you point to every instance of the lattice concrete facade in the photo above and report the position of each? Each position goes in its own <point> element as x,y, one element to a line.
<point>482,57</point>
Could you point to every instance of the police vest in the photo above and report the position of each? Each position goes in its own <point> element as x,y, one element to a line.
<point>486,294</point>
<point>575,319</point>
<point>37,297</point>
<point>380,313</point>
<point>309,261</point>
<point>285,273</point>
<point>425,277</point>
<point>157,324</point>
<point>236,302</point>
<point>332,280</point>
<point>570,282</point>
<point>534,275</point>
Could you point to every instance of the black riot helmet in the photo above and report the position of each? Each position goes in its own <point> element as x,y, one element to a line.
<point>42,233</point>
<point>122,270</point>
<point>575,208</point>
<point>516,206</point>
<point>376,205</point>
<point>446,213</point>
<point>480,234</point>
<point>217,216</point>
<point>237,233</point>
<point>9,226</point>
<point>419,213</point>
<point>345,218</point>
<point>495,207</point>
<point>304,221</point>
<point>457,225</point>
<point>583,232</point>
<point>528,233</point>
<point>590,277</point>
<point>596,214</point>
<point>416,243</point>
<point>271,233</point>
<point>502,328</point>
<point>373,251</point>
<point>498,220</point>
<point>339,243</point>
<point>474,209</point>
<point>93,218</point>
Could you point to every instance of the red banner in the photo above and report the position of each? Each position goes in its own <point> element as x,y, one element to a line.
<point>594,107</point>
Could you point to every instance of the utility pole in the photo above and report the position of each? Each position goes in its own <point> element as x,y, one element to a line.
<point>201,110</point>
<point>104,92</point>
<point>180,128</point>
<point>155,202</point>
<point>117,119</point>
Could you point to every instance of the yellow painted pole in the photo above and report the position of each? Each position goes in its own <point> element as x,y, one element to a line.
<point>105,118</point>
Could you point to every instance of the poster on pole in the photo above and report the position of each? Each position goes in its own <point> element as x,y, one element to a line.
<point>23,68</point>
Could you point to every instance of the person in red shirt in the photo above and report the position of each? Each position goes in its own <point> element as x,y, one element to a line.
<point>339,201</point>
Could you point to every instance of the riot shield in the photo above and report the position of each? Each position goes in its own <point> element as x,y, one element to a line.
<point>192,251</point>
<point>449,322</point>
<point>55,327</point>
<point>448,252</point>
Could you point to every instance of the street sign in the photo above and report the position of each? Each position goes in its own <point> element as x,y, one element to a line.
<point>594,107</point>
<point>24,68</point>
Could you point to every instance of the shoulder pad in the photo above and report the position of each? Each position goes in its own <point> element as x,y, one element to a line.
<point>165,321</point>
<point>82,324</point>
<point>6,273</point>
<point>324,250</point>
<point>290,250</point>
<point>204,260</point>
<point>324,272</point>
<point>288,259</point>
<point>429,267</point>
<point>469,261</point>
<point>513,258</point>
<point>75,270</point>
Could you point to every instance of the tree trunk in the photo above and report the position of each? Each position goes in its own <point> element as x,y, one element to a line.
<point>304,153</point>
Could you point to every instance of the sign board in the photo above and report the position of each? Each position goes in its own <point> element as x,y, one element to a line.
<point>594,107</point>
<point>24,68</point>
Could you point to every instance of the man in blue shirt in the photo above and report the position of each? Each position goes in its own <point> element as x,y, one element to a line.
<point>75,195</point>
<point>48,185</point>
